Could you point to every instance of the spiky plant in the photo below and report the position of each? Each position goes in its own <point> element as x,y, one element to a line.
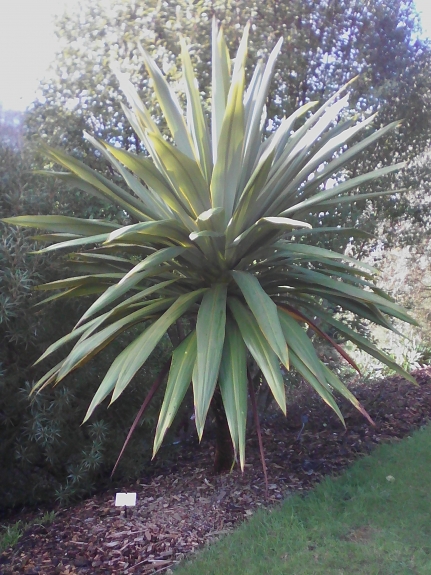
<point>220,241</point>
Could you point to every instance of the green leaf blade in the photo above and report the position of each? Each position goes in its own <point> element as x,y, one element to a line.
<point>260,349</point>
<point>265,312</point>
<point>210,330</point>
<point>135,355</point>
<point>180,375</point>
<point>233,387</point>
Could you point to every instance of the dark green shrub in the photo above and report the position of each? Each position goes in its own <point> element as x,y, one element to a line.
<point>44,450</point>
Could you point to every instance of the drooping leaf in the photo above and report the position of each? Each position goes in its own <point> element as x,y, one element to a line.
<point>320,386</point>
<point>134,356</point>
<point>210,331</point>
<point>233,386</point>
<point>265,312</point>
<point>260,349</point>
<point>180,375</point>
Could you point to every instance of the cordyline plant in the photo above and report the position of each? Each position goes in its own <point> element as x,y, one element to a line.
<point>219,241</point>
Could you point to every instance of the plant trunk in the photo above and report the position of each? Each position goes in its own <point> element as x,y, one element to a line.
<point>224,453</point>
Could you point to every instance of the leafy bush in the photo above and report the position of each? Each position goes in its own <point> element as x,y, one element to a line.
<point>43,449</point>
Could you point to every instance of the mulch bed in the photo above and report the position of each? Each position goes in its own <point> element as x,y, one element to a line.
<point>185,506</point>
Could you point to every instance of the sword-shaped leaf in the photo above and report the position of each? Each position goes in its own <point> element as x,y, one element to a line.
<point>210,331</point>
<point>339,386</point>
<point>227,167</point>
<point>155,179</point>
<point>154,260</point>
<point>135,355</point>
<point>195,114</point>
<point>363,343</point>
<point>170,106</point>
<point>220,84</point>
<point>64,224</point>
<point>89,327</point>
<point>109,190</point>
<point>265,312</point>
<point>184,175</point>
<point>78,291</point>
<point>47,379</point>
<point>263,232</point>
<point>359,198</point>
<point>346,156</point>
<point>295,156</point>
<point>79,242</point>
<point>152,208</point>
<point>317,159</point>
<point>143,116</point>
<point>260,349</point>
<point>322,389</point>
<point>106,279</point>
<point>233,386</point>
<point>69,337</point>
<point>254,128</point>
<point>73,181</point>
<point>312,252</point>
<point>319,281</point>
<point>300,343</point>
<point>180,376</point>
<point>142,270</point>
<point>170,229</point>
<point>91,346</point>
<point>245,207</point>
<point>341,188</point>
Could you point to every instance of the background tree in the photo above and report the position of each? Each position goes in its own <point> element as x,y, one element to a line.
<point>326,44</point>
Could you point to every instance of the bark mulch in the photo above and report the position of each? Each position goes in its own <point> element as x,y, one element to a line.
<point>185,506</point>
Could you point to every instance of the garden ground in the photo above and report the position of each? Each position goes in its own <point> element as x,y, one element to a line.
<point>182,506</point>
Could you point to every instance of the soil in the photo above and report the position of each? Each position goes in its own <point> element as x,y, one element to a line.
<point>182,505</point>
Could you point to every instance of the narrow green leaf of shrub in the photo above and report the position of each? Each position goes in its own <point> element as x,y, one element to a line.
<point>180,376</point>
<point>260,349</point>
<point>265,312</point>
<point>64,224</point>
<point>135,355</point>
<point>227,167</point>
<point>196,117</point>
<point>233,386</point>
<point>89,347</point>
<point>322,388</point>
<point>210,331</point>
<point>170,106</point>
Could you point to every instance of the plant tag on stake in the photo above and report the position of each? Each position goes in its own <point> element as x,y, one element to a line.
<point>125,500</point>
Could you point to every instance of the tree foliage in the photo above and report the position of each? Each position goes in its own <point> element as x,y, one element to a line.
<point>326,43</point>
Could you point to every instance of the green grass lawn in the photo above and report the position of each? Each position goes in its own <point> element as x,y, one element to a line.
<point>375,519</point>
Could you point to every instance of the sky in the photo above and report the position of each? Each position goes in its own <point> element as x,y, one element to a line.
<point>28,45</point>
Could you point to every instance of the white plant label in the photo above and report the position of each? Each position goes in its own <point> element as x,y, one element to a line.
<point>125,499</point>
